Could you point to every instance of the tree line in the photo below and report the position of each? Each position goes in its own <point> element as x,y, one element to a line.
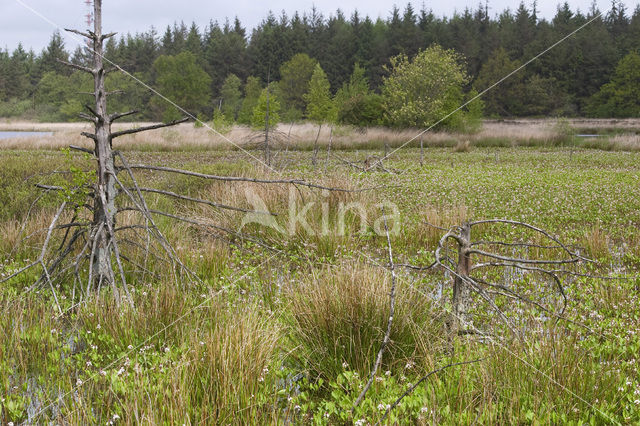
<point>222,72</point>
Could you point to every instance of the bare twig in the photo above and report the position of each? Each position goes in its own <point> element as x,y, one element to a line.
<point>418,268</point>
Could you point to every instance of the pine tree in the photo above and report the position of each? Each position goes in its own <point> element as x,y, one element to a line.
<point>52,54</point>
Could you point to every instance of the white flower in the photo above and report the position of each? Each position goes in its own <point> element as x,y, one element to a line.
<point>345,365</point>
<point>130,347</point>
<point>201,343</point>
<point>115,417</point>
<point>166,350</point>
<point>387,373</point>
<point>637,402</point>
<point>360,422</point>
<point>78,382</point>
<point>98,327</point>
<point>103,373</point>
<point>382,407</point>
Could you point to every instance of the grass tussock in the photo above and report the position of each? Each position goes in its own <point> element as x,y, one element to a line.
<point>596,241</point>
<point>339,317</point>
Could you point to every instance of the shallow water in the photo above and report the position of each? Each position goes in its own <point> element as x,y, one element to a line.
<point>10,135</point>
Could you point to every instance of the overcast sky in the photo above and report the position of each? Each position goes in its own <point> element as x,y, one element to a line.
<point>33,21</point>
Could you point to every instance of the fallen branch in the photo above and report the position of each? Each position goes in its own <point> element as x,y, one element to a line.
<point>243,179</point>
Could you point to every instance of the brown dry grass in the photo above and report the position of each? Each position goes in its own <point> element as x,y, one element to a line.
<point>302,136</point>
<point>596,242</point>
<point>427,233</point>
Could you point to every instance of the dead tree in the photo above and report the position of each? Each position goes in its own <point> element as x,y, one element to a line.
<point>267,153</point>
<point>113,249</point>
<point>476,266</point>
<point>314,158</point>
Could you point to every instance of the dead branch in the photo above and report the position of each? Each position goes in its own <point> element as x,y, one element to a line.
<point>418,268</point>
<point>435,226</point>
<point>208,225</point>
<point>76,66</point>
<point>49,187</point>
<point>146,128</point>
<point>106,36</point>
<point>347,162</point>
<point>142,205</point>
<point>87,117</point>
<point>242,179</point>
<point>201,201</point>
<point>505,244</point>
<point>90,136</point>
<point>534,228</point>
<point>79,148</point>
<point>90,35</point>
<point>522,260</point>
<point>45,245</point>
<point>119,115</point>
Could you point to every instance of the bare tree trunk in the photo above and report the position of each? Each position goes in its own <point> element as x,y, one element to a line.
<point>314,159</point>
<point>329,148</point>
<point>105,194</point>
<point>461,290</point>
<point>267,154</point>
